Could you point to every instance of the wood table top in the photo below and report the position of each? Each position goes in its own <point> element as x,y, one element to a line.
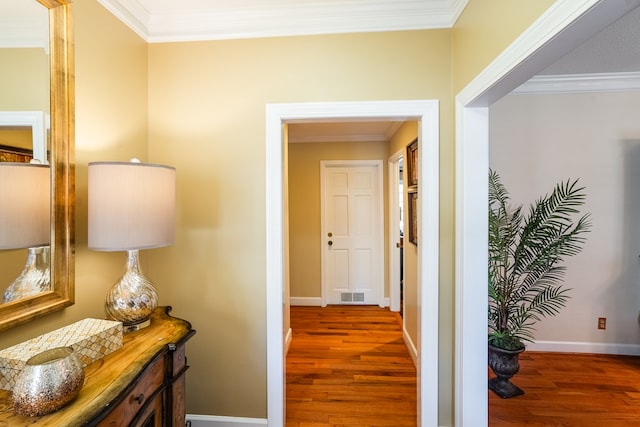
<point>107,378</point>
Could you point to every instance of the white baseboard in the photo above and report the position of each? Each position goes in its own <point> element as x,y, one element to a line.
<point>413,351</point>
<point>306,301</point>
<point>585,347</point>
<point>214,421</point>
<point>287,341</point>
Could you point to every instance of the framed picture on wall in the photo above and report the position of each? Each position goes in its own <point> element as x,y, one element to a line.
<point>413,216</point>
<point>412,164</point>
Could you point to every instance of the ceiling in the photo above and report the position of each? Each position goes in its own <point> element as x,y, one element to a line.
<point>615,49</point>
<point>346,131</point>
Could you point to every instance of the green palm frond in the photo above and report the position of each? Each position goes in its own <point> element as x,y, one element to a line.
<point>525,253</point>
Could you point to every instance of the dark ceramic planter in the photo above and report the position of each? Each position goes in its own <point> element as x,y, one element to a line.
<point>505,364</point>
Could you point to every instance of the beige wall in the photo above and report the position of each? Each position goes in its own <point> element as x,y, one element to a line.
<point>304,206</point>
<point>485,29</point>
<point>18,138</point>
<point>24,79</point>
<point>207,117</point>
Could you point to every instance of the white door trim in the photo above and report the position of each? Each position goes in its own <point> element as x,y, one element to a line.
<point>565,25</point>
<point>378,276</point>
<point>393,221</point>
<point>427,114</point>
<point>38,121</point>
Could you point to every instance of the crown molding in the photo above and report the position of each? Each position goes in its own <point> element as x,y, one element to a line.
<point>132,13</point>
<point>288,18</point>
<point>580,83</point>
<point>456,7</point>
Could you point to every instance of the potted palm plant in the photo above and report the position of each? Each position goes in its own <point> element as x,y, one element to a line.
<point>525,271</point>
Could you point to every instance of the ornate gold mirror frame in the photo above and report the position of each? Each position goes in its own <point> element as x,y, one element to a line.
<point>63,174</point>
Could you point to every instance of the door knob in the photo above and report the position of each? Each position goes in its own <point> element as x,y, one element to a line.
<point>330,234</point>
<point>330,243</point>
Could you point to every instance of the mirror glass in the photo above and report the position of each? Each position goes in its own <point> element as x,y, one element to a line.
<point>36,122</point>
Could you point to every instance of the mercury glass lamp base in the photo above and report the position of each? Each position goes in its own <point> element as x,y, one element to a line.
<point>134,298</point>
<point>136,327</point>
<point>35,277</point>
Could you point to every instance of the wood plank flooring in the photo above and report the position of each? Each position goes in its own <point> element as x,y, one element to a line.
<point>348,366</point>
<point>571,390</point>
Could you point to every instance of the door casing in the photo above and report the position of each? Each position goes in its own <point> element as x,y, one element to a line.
<point>426,113</point>
<point>393,221</point>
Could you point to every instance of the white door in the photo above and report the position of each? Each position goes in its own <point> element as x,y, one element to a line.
<point>352,228</point>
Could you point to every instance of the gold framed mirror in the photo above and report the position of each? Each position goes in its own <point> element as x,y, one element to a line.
<point>61,146</point>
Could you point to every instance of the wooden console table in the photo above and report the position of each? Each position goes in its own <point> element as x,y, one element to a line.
<point>142,384</point>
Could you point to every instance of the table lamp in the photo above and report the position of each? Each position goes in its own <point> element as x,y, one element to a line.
<point>131,207</point>
<point>25,192</point>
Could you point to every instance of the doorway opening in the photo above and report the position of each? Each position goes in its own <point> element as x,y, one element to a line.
<point>426,113</point>
<point>561,28</point>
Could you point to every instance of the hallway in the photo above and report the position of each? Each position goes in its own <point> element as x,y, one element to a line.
<point>348,366</point>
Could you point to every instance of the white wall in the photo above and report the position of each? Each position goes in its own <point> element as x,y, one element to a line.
<point>538,140</point>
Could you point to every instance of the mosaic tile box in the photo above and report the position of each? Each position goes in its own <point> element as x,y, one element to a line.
<point>92,339</point>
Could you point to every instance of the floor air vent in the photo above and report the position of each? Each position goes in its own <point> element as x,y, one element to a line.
<point>352,297</point>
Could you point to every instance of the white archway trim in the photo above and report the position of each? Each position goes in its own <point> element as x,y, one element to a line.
<point>424,111</point>
<point>565,25</point>
<point>580,83</point>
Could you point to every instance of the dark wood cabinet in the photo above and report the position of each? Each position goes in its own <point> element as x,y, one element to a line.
<point>140,385</point>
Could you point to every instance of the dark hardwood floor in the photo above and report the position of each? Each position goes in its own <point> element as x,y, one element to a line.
<point>348,366</point>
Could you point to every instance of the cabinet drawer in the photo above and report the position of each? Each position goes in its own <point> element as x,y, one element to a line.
<point>152,415</point>
<point>150,381</point>
<point>179,360</point>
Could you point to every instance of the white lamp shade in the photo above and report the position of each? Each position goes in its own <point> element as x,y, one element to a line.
<point>25,205</point>
<point>131,205</point>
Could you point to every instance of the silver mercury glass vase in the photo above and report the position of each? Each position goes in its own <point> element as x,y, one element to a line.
<point>48,381</point>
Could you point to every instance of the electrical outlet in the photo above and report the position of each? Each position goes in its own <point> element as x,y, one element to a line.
<point>602,323</point>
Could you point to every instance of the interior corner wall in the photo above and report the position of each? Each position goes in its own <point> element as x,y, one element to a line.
<point>484,29</point>
<point>305,208</point>
<point>539,140</point>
